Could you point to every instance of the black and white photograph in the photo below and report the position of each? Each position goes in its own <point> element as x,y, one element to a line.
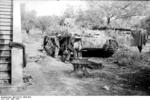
<point>74,48</point>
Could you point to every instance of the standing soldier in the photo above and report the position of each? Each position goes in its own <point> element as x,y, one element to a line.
<point>140,36</point>
<point>57,46</point>
<point>77,45</point>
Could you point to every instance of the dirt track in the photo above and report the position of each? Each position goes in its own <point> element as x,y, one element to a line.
<point>52,77</point>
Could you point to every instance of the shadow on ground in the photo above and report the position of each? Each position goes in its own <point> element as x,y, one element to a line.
<point>139,80</point>
<point>135,81</point>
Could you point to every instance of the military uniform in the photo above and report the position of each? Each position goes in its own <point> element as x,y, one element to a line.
<point>140,38</point>
<point>51,46</point>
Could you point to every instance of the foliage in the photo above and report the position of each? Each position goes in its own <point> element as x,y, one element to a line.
<point>89,19</point>
<point>145,23</point>
<point>128,56</point>
<point>116,11</point>
<point>46,22</point>
<point>43,22</point>
<point>69,12</point>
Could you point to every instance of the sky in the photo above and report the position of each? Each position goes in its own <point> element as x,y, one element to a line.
<point>53,7</point>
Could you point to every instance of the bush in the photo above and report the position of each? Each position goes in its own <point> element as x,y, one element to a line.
<point>128,56</point>
<point>125,56</point>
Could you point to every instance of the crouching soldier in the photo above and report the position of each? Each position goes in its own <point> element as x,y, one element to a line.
<point>51,46</point>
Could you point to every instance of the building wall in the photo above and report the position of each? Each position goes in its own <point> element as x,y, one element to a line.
<point>16,53</point>
<point>5,37</point>
<point>10,31</point>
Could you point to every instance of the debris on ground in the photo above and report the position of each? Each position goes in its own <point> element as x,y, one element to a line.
<point>106,87</point>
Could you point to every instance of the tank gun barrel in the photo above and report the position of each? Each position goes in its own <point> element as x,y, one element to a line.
<point>111,28</point>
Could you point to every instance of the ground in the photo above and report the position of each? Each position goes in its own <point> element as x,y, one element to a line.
<point>52,77</point>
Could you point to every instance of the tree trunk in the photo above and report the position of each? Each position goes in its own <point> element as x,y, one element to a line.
<point>27,31</point>
<point>43,31</point>
<point>108,20</point>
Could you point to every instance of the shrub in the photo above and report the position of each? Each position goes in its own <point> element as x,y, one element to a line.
<point>125,56</point>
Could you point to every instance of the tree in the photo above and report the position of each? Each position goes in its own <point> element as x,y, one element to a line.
<point>89,18</point>
<point>42,23</point>
<point>117,10</point>
<point>69,12</point>
<point>27,19</point>
<point>145,23</point>
<point>45,22</point>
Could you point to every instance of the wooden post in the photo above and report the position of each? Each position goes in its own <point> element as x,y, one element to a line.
<point>16,54</point>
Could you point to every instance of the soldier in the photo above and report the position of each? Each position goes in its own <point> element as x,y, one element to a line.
<point>48,45</point>
<point>140,36</point>
<point>57,47</point>
<point>77,45</point>
<point>67,48</point>
<point>51,46</point>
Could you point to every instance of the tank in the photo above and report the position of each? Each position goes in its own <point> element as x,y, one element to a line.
<point>97,43</point>
<point>89,44</point>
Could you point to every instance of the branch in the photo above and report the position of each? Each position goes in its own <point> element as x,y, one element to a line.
<point>125,6</point>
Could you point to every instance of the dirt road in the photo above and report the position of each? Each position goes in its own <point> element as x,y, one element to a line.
<point>52,77</point>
